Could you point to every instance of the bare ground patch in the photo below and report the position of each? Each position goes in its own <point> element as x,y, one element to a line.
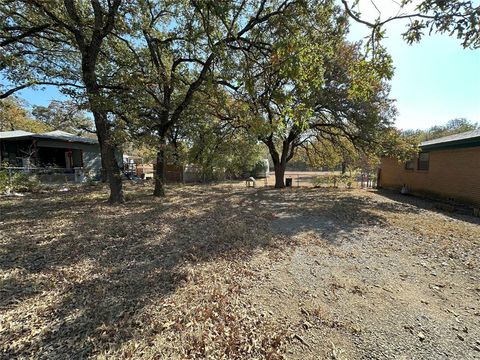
<point>227,272</point>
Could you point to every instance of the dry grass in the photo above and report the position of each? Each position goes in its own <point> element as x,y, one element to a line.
<point>167,278</point>
<point>149,279</point>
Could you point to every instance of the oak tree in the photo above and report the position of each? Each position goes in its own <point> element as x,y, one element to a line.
<point>178,47</point>
<point>63,43</point>
<point>311,87</point>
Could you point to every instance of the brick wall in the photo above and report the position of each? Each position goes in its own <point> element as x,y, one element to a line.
<point>452,174</point>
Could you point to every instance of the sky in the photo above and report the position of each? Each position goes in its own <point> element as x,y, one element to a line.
<point>435,80</point>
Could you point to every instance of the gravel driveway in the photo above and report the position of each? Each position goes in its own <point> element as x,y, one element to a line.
<point>375,276</point>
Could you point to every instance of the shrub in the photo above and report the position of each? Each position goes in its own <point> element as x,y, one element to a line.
<point>323,180</point>
<point>347,180</point>
<point>20,182</point>
<point>341,180</point>
<point>4,183</point>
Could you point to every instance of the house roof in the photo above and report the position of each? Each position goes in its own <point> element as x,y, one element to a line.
<point>64,136</point>
<point>52,135</point>
<point>465,139</point>
<point>14,134</point>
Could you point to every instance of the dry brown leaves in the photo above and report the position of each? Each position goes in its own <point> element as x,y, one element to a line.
<point>151,279</point>
<point>164,278</point>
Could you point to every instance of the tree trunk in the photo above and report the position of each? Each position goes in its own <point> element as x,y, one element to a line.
<point>100,115</point>
<point>279,162</point>
<point>279,175</point>
<point>109,161</point>
<point>114,176</point>
<point>103,173</point>
<point>160,170</point>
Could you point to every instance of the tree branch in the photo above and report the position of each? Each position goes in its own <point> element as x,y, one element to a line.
<point>29,32</point>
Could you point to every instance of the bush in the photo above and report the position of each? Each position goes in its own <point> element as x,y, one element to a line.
<point>260,169</point>
<point>322,180</point>
<point>342,180</point>
<point>4,183</point>
<point>19,182</point>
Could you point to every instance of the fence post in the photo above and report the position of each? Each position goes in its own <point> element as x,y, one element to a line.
<point>10,177</point>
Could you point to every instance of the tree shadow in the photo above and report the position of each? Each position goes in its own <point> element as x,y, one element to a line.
<point>102,265</point>
<point>51,204</point>
<point>331,213</point>
<point>417,203</point>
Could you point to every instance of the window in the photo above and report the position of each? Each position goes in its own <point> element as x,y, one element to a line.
<point>409,165</point>
<point>423,160</point>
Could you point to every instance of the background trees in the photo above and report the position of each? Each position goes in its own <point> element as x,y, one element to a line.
<point>212,142</point>
<point>452,127</point>
<point>65,116</point>
<point>14,116</point>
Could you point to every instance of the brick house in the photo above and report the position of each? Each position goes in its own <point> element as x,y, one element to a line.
<point>446,168</point>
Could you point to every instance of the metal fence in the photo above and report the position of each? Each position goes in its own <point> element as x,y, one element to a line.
<point>322,179</point>
<point>47,174</point>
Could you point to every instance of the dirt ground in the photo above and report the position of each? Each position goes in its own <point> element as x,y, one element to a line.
<point>233,272</point>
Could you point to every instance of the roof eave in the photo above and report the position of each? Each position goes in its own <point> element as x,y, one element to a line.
<point>75,141</point>
<point>457,144</point>
<point>17,137</point>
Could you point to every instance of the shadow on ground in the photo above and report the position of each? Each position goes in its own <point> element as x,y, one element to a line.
<point>102,265</point>
<point>84,270</point>
<point>331,213</point>
<point>416,203</point>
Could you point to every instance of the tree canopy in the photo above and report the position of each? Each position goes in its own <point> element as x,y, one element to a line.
<point>452,127</point>
<point>14,116</point>
<point>278,72</point>
<point>455,18</point>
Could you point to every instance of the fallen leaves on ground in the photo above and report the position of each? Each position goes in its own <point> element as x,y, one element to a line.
<point>168,278</point>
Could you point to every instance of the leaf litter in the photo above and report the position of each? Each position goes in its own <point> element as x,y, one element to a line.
<point>184,277</point>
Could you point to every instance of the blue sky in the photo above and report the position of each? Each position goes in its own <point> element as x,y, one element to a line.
<point>435,80</point>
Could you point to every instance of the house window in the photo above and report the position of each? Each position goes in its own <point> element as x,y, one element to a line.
<point>423,160</point>
<point>409,165</point>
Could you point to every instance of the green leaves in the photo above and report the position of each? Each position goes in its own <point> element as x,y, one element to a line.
<point>312,87</point>
<point>65,116</point>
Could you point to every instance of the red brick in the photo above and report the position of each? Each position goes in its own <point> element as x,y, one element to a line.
<point>452,174</point>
